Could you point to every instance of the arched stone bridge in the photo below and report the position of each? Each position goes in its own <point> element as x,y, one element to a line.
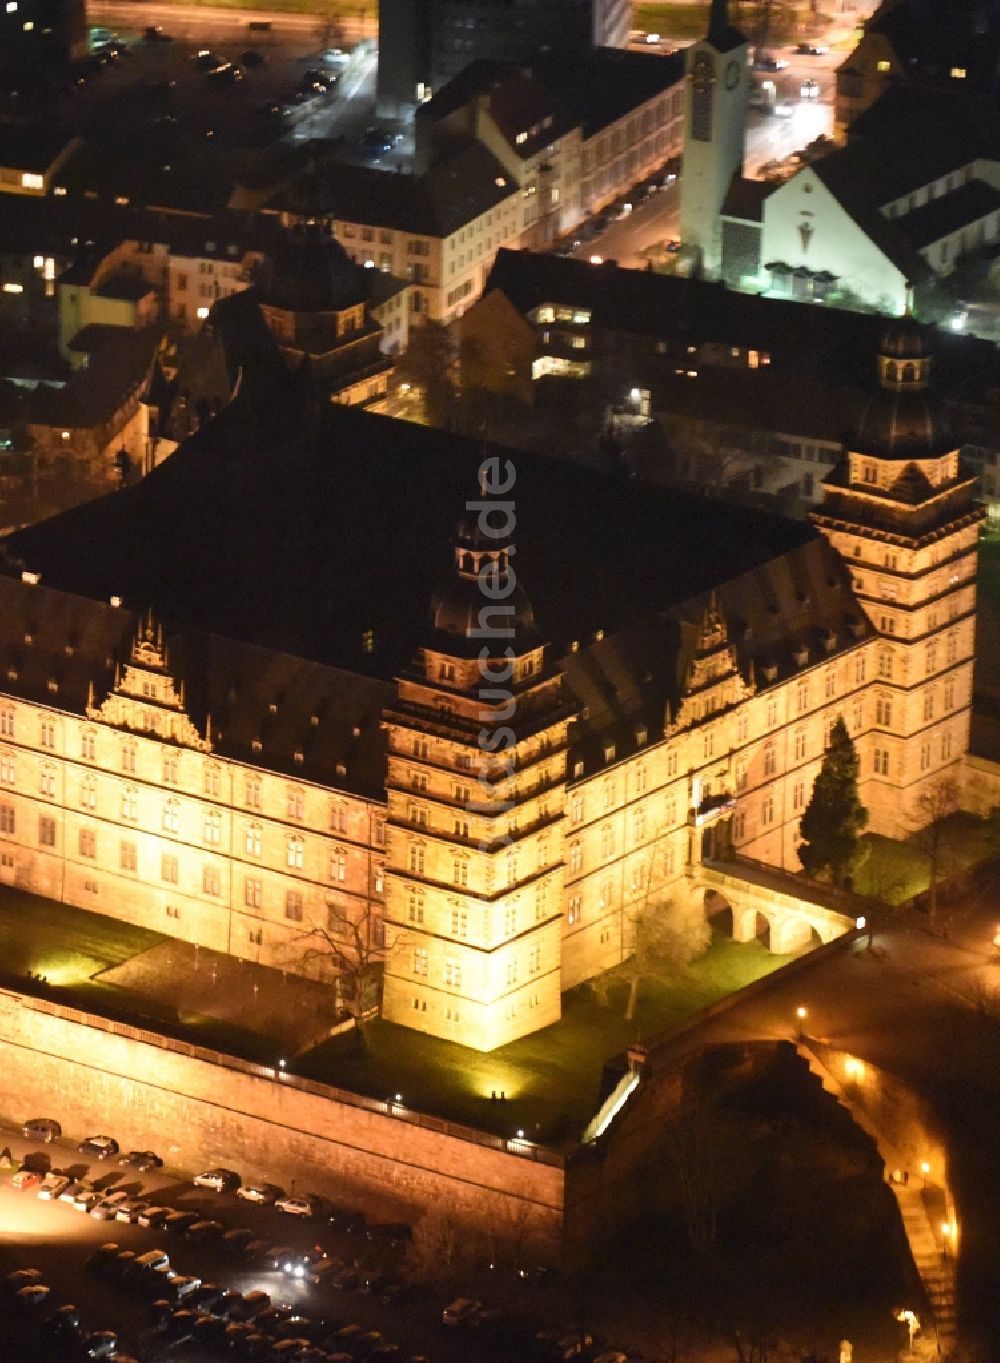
<point>785,910</point>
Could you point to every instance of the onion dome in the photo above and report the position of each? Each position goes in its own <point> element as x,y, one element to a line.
<point>482,591</point>
<point>904,419</point>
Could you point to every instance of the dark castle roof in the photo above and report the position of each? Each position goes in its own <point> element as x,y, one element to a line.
<point>303,542</point>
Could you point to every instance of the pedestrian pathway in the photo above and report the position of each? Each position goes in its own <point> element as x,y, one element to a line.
<point>935,1269</point>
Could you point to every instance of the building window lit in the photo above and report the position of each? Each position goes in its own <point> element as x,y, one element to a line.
<point>420,961</point>
<point>338,864</point>
<point>378,882</point>
<point>295,802</point>
<point>294,852</point>
<point>883,65</point>
<point>958,73</point>
<point>29,180</point>
<point>252,839</point>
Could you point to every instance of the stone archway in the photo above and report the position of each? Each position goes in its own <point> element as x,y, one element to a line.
<point>719,915</point>
<point>790,935</point>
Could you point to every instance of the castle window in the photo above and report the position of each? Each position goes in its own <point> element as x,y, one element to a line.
<point>772,713</point>
<point>607,841</point>
<point>417,815</point>
<point>859,668</point>
<point>945,746</point>
<point>637,876</point>
<point>767,811</point>
<point>253,792</point>
<point>460,828</point>
<point>830,684</point>
<point>169,869</point>
<point>881,762</point>
<point>641,779</point>
<point>87,745</point>
<point>378,878</point>
<point>883,711</point>
<point>418,780</point>
<point>7,820</point>
<point>770,759</point>
<point>534,960</point>
<point>608,793</point>
<point>739,825</point>
<point>7,721</point>
<point>47,781</point>
<point>253,892</point>
<point>575,856</point>
<point>928,705</point>
<point>741,776</point>
<point>511,867</point>
<point>212,779</point>
<point>294,853</point>
<point>47,734</point>
<point>949,695</point>
<point>211,881</point>
<point>885,664</point>
<point>338,818</point>
<point>128,756</point>
<point>127,856</point>
<point>295,802</point>
<point>416,858</point>
<point>798,794</point>
<point>255,936</point>
<point>573,910</point>
<point>380,832</point>
<point>420,748</point>
<point>460,871</point>
<point>639,826</point>
<point>452,972</point>
<point>802,697</point>
<point>252,839</point>
<point>459,923</point>
<point>952,646</point>
<point>420,961</point>
<point>130,803</point>
<point>741,737</point>
<point>88,843</point>
<point>338,864</point>
<point>510,920</point>
<point>670,809</point>
<point>931,656</point>
<point>171,817</point>
<point>213,828</point>
<point>415,906</point>
<point>293,905</point>
<point>800,744</point>
<point>925,756</point>
<point>512,971</point>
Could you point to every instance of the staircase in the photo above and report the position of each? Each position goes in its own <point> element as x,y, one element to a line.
<point>936,1273</point>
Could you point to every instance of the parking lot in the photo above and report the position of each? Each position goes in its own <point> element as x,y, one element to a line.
<point>395,1318</point>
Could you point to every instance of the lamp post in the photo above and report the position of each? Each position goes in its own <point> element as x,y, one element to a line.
<point>925,1170</point>
<point>912,1322</point>
<point>801,1014</point>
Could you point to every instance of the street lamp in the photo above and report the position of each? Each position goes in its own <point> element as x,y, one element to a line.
<point>925,1169</point>
<point>801,1014</point>
<point>912,1322</point>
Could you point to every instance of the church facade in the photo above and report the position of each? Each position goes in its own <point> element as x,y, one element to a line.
<point>258,804</point>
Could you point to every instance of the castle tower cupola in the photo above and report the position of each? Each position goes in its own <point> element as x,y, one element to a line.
<point>483,577</point>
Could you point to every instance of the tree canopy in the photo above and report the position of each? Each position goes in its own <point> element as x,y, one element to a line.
<point>834,818</point>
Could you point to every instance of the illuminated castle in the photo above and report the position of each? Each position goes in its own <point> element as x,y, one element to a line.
<point>290,739</point>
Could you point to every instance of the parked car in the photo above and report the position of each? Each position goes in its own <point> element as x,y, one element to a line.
<point>45,1129</point>
<point>254,1302</point>
<point>153,1261</point>
<point>53,1186</point>
<point>143,1160</point>
<point>297,1206</point>
<point>219,1180</point>
<point>76,1189</point>
<point>180,1221</point>
<point>766,63</point>
<point>99,1147</point>
<point>153,33</point>
<point>460,1311</point>
<point>811,49</point>
<point>262,1193</point>
<point>131,1210</point>
<point>21,1277</point>
<point>206,1297</point>
<point>179,1286</point>
<point>86,1201</point>
<point>102,1256</point>
<point>229,73</point>
<point>206,60</point>
<point>100,1344</point>
<point>65,1321</point>
<point>25,1179</point>
<point>153,1216</point>
<point>252,58</point>
<point>204,1230</point>
<point>33,1297</point>
<point>235,1241</point>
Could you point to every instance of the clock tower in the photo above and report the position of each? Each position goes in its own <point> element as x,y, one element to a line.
<point>717,78</point>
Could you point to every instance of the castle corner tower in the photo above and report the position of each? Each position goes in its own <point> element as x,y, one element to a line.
<point>717,85</point>
<point>477,750</point>
<point>902,514</point>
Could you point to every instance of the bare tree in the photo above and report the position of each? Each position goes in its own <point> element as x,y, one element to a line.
<point>440,1249</point>
<point>937,803</point>
<point>667,938</point>
<point>356,950</point>
<point>703,1145</point>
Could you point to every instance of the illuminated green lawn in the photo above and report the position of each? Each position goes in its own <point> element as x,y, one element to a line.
<point>552,1079</point>
<point>896,871</point>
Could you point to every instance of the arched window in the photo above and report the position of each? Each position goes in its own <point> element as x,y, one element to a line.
<point>891,372</point>
<point>909,373</point>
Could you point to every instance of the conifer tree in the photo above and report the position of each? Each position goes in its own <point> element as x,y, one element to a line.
<point>835,816</point>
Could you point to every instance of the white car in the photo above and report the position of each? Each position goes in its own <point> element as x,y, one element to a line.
<point>53,1187</point>
<point>259,1192</point>
<point>296,1206</point>
<point>219,1180</point>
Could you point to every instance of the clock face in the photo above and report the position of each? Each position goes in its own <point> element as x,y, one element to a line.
<point>732,75</point>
